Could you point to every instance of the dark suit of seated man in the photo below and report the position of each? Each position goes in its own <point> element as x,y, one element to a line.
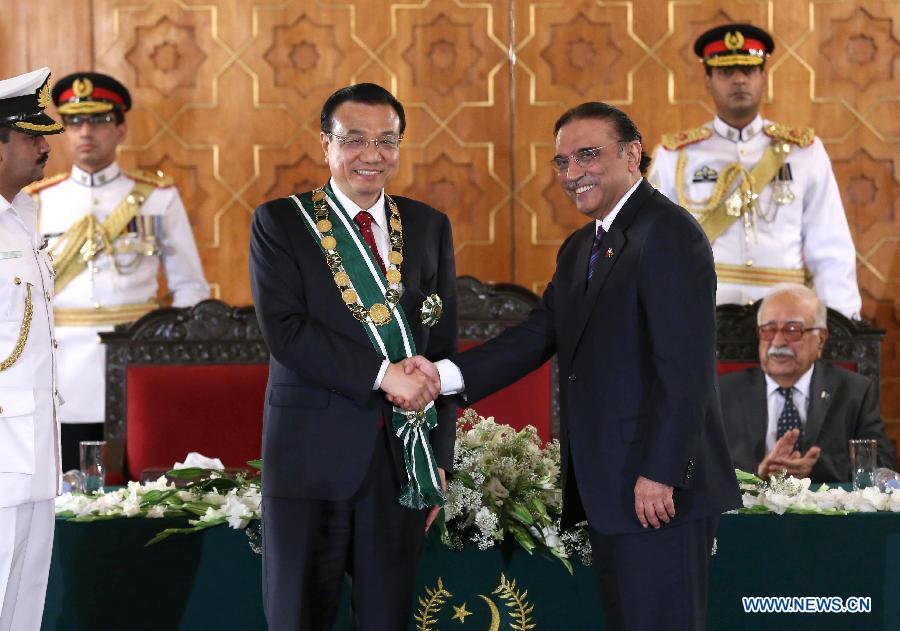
<point>794,412</point>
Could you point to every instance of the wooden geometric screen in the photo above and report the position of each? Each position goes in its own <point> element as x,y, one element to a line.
<point>227,96</point>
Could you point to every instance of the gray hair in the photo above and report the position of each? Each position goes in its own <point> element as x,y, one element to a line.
<point>801,293</point>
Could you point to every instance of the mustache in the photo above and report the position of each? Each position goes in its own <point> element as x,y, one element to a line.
<point>780,351</point>
<point>43,159</point>
<point>571,186</point>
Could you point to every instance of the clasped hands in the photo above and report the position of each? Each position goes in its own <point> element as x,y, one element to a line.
<point>411,384</point>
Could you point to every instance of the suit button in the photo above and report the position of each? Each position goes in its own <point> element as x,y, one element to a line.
<point>1,409</point>
<point>573,378</point>
<point>17,280</point>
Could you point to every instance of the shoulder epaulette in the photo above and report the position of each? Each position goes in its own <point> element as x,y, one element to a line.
<point>800,136</point>
<point>47,182</point>
<point>155,178</point>
<point>685,138</point>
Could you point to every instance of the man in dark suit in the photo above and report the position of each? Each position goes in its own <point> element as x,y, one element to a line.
<point>630,312</point>
<point>793,412</point>
<point>347,281</point>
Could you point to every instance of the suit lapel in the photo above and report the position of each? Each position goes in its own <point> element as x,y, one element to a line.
<point>819,402</point>
<point>611,250</point>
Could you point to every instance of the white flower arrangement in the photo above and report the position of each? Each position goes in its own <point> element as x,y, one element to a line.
<point>215,499</point>
<point>505,486</point>
<point>787,494</point>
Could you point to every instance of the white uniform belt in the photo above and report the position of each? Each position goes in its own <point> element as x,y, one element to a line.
<point>100,316</point>
<point>745,275</point>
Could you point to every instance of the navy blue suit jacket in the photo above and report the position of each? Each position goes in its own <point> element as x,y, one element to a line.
<point>637,365</point>
<point>321,415</point>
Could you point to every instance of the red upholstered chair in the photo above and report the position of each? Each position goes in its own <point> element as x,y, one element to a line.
<point>181,380</point>
<point>484,311</point>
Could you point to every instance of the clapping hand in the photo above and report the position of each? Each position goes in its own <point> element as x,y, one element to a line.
<point>410,387</point>
<point>784,457</point>
<point>422,372</point>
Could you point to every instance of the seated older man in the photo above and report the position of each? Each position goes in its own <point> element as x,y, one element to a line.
<point>795,412</point>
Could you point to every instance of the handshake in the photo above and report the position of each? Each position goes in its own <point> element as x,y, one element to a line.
<point>411,384</point>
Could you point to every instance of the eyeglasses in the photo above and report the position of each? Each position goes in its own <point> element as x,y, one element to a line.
<point>791,331</point>
<point>356,144</point>
<point>583,158</point>
<point>77,120</point>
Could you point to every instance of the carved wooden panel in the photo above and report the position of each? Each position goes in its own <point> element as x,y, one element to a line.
<point>228,93</point>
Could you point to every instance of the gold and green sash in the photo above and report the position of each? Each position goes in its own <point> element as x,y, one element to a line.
<point>393,339</point>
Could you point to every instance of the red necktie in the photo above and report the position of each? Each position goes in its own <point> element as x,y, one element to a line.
<point>364,221</point>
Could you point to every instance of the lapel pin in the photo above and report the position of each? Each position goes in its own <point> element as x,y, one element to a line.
<point>609,253</point>
<point>825,395</point>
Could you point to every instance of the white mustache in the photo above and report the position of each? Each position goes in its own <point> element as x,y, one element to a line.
<point>782,351</point>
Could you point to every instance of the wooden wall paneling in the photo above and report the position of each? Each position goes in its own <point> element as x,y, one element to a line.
<point>55,34</point>
<point>452,71</point>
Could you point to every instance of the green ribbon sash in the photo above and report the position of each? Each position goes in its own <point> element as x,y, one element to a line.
<point>394,340</point>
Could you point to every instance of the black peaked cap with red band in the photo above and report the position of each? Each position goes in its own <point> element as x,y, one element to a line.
<point>90,93</point>
<point>734,45</point>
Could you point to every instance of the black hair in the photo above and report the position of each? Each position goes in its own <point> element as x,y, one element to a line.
<point>4,134</point>
<point>368,93</point>
<point>622,123</point>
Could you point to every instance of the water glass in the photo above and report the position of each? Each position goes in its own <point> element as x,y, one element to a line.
<point>863,453</point>
<point>93,464</point>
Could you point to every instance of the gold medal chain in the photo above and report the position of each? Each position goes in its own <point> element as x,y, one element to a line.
<point>380,312</point>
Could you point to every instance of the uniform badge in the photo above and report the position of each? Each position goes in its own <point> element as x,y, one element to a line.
<point>432,307</point>
<point>706,174</point>
<point>781,187</point>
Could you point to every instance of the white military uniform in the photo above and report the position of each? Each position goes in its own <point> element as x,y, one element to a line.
<point>105,294</point>
<point>29,434</point>
<point>800,221</point>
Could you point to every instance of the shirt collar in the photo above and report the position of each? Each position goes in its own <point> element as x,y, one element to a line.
<point>353,209</point>
<point>101,177</point>
<point>802,385</point>
<point>606,222</point>
<point>738,135</point>
<point>23,207</point>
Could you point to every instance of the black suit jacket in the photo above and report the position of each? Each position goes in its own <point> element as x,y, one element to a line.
<point>321,415</point>
<point>637,365</point>
<point>842,405</point>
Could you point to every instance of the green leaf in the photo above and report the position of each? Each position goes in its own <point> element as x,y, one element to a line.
<point>523,537</point>
<point>256,464</point>
<point>185,474</point>
<point>520,513</point>
<point>151,498</point>
<point>465,478</point>
<point>218,485</point>
<point>743,476</point>
<point>197,508</point>
<point>168,532</point>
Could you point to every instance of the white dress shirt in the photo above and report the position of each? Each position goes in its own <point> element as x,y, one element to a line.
<point>810,231</point>
<point>379,230</point>
<point>451,378</point>
<point>775,404</point>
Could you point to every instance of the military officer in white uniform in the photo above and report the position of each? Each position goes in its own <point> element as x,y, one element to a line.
<point>29,431</point>
<point>95,210</point>
<point>764,193</point>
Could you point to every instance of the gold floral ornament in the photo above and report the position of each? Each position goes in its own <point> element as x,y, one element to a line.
<point>432,308</point>
<point>734,40</point>
<point>378,313</point>
<point>82,87</point>
<point>43,98</point>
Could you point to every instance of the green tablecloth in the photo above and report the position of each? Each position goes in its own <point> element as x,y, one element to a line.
<point>103,578</point>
